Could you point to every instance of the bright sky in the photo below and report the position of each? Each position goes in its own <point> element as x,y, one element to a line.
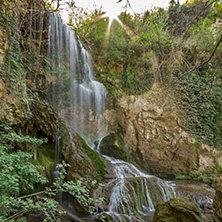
<point>137,5</point>
<point>112,7</point>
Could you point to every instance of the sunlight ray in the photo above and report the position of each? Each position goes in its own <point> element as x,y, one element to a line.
<point>113,16</point>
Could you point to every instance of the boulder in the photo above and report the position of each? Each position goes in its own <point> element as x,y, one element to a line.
<point>183,209</point>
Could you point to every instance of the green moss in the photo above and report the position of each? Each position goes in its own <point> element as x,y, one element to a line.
<point>46,158</point>
<point>96,160</point>
<point>183,209</point>
<point>181,177</point>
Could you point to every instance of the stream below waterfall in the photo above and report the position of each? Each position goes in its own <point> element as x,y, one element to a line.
<point>82,103</point>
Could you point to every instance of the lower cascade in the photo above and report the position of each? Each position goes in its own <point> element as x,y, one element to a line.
<point>82,103</point>
<point>132,193</point>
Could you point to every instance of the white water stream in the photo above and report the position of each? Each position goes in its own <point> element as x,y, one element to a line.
<point>82,102</point>
<point>133,193</point>
<point>74,93</point>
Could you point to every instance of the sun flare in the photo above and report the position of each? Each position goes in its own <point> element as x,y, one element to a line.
<point>111,15</point>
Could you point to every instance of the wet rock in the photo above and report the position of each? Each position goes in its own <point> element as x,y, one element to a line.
<point>113,146</point>
<point>135,194</point>
<point>183,209</point>
<point>83,160</point>
<point>114,217</point>
<point>202,193</point>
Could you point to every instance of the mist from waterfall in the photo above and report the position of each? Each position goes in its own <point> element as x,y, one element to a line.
<point>78,98</point>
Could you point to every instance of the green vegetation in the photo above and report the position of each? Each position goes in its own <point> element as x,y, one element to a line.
<point>196,175</point>
<point>19,176</point>
<point>25,161</point>
<point>46,158</point>
<point>12,70</point>
<point>179,48</point>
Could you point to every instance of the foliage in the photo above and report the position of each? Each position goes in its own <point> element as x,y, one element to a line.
<point>202,103</point>
<point>19,175</point>
<point>18,172</point>
<point>196,175</point>
<point>23,23</point>
<point>12,70</point>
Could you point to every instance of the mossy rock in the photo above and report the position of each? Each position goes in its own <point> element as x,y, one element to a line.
<point>183,209</point>
<point>46,158</point>
<point>95,158</point>
<point>113,146</point>
<point>84,162</point>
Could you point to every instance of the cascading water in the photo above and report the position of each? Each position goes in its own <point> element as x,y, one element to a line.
<point>79,99</point>
<point>82,103</point>
<point>133,193</point>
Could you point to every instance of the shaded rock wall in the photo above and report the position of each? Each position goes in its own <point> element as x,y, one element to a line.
<point>151,132</point>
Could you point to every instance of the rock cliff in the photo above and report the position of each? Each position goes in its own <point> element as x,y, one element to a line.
<point>147,129</point>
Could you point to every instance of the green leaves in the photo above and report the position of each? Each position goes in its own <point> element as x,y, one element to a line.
<point>8,136</point>
<point>19,174</point>
<point>199,100</point>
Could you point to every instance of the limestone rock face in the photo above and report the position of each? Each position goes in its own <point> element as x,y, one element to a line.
<point>183,209</point>
<point>151,132</point>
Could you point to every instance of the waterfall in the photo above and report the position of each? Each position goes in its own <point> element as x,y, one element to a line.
<point>133,193</point>
<point>79,99</point>
<point>82,103</point>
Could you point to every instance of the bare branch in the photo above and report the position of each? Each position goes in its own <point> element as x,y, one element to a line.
<point>206,5</point>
